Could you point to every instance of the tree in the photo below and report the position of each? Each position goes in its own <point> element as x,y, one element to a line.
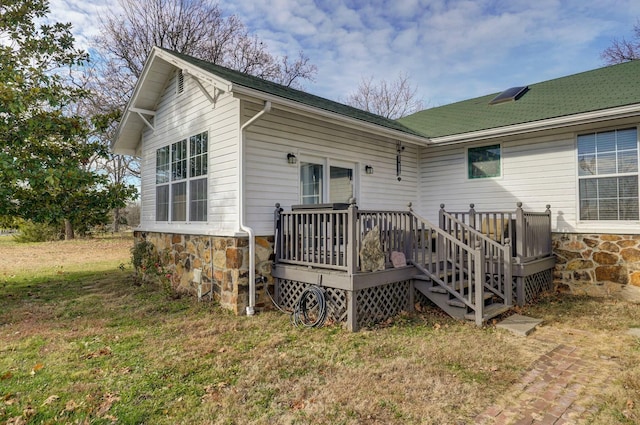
<point>390,100</point>
<point>623,50</point>
<point>44,146</point>
<point>193,27</point>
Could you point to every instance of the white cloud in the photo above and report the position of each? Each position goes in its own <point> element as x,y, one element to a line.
<point>453,49</point>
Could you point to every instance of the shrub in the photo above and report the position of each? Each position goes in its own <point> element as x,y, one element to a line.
<point>149,266</point>
<point>29,231</point>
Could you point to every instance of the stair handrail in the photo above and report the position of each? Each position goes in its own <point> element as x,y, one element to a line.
<point>475,273</point>
<point>480,237</point>
<point>478,234</point>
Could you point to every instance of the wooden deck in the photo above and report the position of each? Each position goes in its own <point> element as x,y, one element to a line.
<point>469,264</point>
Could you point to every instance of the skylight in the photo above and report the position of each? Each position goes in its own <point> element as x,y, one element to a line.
<point>514,93</point>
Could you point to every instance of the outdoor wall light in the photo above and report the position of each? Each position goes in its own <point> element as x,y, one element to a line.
<point>368,169</point>
<point>291,158</point>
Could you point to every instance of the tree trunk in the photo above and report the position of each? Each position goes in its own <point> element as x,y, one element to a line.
<point>116,220</point>
<point>68,230</point>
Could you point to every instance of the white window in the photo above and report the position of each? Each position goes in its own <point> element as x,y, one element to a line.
<point>181,180</point>
<point>608,175</point>
<point>311,177</point>
<point>340,178</point>
<point>483,162</point>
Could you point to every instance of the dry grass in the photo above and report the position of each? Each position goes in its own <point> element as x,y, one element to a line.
<point>81,344</point>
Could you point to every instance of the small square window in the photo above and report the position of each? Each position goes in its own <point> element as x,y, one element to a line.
<point>483,162</point>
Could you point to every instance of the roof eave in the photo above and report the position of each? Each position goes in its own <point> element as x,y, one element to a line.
<point>300,108</point>
<point>534,126</point>
<point>118,145</point>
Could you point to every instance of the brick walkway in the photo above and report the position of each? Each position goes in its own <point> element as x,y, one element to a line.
<point>561,387</point>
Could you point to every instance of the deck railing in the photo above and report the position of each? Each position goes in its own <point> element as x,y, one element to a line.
<point>496,249</point>
<point>529,232</point>
<point>332,239</point>
<point>468,253</point>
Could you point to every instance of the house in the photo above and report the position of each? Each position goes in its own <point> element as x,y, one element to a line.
<point>219,149</point>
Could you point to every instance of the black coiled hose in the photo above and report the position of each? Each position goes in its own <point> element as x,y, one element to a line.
<point>311,309</point>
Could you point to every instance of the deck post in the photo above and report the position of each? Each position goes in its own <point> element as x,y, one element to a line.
<point>440,255</point>
<point>472,216</point>
<point>409,241</point>
<point>277,227</point>
<point>352,232</point>
<point>520,233</point>
<point>507,274</point>
<point>549,242</point>
<point>479,283</point>
<point>352,311</point>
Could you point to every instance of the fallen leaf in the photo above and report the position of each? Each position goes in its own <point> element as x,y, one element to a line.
<point>51,399</point>
<point>28,412</point>
<point>36,368</point>
<point>630,403</point>
<point>107,401</point>
<point>17,420</point>
<point>104,351</point>
<point>7,375</point>
<point>70,406</point>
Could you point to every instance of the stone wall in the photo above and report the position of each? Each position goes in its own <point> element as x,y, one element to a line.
<point>596,264</point>
<point>224,262</point>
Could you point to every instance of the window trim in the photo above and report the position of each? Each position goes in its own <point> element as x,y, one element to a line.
<point>327,162</point>
<point>185,170</point>
<point>467,163</point>
<point>594,225</point>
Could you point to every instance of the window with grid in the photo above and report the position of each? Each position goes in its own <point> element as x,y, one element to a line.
<point>181,180</point>
<point>608,175</point>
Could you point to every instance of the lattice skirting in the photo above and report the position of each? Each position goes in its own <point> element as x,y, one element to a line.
<point>529,287</point>
<point>377,304</point>
<point>373,305</point>
<point>288,293</point>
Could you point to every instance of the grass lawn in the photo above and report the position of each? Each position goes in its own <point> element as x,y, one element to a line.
<point>80,343</point>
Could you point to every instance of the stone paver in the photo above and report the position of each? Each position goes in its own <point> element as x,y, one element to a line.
<point>561,387</point>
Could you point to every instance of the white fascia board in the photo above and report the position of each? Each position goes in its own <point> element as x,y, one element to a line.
<point>217,82</point>
<point>136,91</point>
<point>548,124</point>
<point>302,109</point>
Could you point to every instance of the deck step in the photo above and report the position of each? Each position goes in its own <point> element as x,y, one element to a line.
<point>437,288</point>
<point>441,300</point>
<point>489,312</point>
<point>457,303</point>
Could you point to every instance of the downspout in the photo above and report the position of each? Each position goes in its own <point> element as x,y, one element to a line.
<point>243,225</point>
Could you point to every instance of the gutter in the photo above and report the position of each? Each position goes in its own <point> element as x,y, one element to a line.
<point>243,226</point>
<point>546,124</point>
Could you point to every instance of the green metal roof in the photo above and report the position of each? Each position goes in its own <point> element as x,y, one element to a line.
<point>259,84</point>
<point>599,89</point>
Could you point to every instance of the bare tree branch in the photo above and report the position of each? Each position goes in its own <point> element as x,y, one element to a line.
<point>623,50</point>
<point>390,100</point>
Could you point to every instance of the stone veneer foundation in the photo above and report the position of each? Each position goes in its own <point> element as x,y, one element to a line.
<point>224,262</point>
<point>596,264</point>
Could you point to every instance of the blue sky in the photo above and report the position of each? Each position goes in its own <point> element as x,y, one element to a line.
<point>452,50</point>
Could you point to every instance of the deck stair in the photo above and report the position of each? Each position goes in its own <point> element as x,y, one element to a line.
<point>469,264</point>
<point>444,297</point>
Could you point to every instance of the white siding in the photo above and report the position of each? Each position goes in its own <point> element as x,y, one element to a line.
<point>535,171</point>
<point>178,117</point>
<point>270,179</point>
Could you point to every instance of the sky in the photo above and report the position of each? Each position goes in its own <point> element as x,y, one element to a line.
<point>451,50</point>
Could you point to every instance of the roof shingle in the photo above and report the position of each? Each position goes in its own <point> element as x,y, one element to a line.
<point>598,89</point>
